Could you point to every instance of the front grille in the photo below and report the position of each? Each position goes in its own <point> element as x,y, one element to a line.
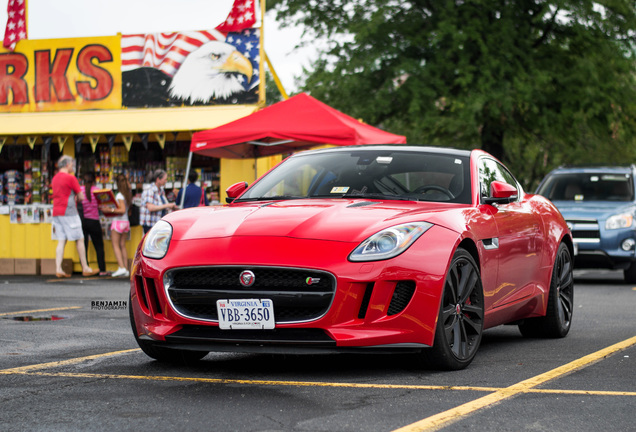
<point>298,295</point>
<point>584,230</point>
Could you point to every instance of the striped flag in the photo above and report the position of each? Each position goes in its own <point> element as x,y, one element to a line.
<point>163,51</point>
<point>16,29</point>
<point>242,16</point>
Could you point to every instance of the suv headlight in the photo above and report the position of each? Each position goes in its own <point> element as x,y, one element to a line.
<point>623,220</point>
<point>389,242</point>
<point>157,240</point>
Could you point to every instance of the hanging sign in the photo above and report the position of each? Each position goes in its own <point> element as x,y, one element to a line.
<point>61,74</point>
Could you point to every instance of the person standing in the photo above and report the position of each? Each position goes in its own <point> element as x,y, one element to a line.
<point>90,222</point>
<point>66,222</point>
<point>194,195</point>
<point>120,226</point>
<point>154,202</point>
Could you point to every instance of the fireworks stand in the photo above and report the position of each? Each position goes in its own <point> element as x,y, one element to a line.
<point>114,114</point>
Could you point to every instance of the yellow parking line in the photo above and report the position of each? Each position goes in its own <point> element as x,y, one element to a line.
<point>442,419</point>
<point>23,369</point>
<point>248,382</point>
<point>583,392</point>
<point>40,310</point>
<point>315,384</point>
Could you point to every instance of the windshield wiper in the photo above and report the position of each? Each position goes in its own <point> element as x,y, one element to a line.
<point>270,198</point>
<point>375,196</point>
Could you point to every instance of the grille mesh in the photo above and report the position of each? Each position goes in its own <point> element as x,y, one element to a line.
<point>298,295</point>
<point>402,295</point>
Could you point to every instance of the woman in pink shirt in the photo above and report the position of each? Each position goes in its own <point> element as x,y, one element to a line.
<point>90,222</point>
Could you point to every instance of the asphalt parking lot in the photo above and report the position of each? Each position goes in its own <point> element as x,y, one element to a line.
<point>68,361</point>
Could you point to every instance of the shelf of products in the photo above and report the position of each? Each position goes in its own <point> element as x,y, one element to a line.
<point>25,174</point>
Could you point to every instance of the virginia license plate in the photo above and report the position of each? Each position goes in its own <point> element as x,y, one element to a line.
<point>245,314</point>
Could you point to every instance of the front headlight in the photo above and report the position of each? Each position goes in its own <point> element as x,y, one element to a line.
<point>389,242</point>
<point>619,221</point>
<point>157,240</point>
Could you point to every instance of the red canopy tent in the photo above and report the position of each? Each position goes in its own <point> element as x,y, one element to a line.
<point>297,123</point>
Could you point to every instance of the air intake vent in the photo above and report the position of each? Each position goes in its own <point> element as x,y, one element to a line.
<point>401,297</point>
<point>365,301</point>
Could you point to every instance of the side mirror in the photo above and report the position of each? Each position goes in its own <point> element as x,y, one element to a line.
<point>234,191</point>
<point>501,193</point>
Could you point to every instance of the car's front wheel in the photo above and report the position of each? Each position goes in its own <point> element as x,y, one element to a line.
<point>164,355</point>
<point>461,316</point>
<point>558,319</point>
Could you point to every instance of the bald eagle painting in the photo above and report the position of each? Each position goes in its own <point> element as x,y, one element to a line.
<point>216,70</point>
<point>213,72</point>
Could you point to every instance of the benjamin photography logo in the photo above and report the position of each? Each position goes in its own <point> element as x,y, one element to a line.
<point>109,305</point>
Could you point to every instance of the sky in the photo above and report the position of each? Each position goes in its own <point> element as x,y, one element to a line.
<point>52,19</point>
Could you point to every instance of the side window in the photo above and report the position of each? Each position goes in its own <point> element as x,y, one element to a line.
<point>490,171</point>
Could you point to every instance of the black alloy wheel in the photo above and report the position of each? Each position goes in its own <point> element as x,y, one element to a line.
<point>461,316</point>
<point>558,319</point>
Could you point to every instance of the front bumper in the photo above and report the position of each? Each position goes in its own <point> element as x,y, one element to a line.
<point>597,247</point>
<point>386,305</point>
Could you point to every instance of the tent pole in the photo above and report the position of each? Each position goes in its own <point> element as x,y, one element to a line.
<point>185,180</point>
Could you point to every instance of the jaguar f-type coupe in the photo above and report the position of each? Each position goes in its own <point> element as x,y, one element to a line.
<point>363,249</point>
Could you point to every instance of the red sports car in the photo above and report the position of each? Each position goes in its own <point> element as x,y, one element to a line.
<point>357,249</point>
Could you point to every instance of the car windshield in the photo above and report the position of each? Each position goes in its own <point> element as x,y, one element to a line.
<point>375,174</point>
<point>588,187</point>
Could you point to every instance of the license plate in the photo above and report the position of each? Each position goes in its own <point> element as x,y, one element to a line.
<point>245,314</point>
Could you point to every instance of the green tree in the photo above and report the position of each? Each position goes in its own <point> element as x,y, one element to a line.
<point>534,82</point>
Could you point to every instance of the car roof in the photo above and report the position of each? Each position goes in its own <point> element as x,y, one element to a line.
<point>627,169</point>
<point>393,147</point>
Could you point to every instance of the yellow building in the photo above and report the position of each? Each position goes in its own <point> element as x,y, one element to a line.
<point>125,103</point>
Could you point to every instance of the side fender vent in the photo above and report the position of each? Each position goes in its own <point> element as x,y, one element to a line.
<point>402,295</point>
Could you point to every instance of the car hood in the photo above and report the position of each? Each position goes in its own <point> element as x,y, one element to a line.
<point>592,209</point>
<point>337,220</point>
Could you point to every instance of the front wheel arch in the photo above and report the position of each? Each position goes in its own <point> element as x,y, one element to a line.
<point>558,318</point>
<point>460,321</point>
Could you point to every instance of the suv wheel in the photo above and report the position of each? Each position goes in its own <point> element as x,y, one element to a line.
<point>630,273</point>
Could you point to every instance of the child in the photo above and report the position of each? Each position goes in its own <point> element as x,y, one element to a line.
<point>120,226</point>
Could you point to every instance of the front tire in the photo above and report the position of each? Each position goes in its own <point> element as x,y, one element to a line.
<point>461,316</point>
<point>558,319</point>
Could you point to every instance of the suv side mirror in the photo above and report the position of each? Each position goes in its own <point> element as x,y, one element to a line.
<point>234,191</point>
<point>501,193</point>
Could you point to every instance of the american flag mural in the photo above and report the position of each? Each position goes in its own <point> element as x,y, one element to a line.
<point>190,68</point>
<point>163,51</point>
<point>208,67</point>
